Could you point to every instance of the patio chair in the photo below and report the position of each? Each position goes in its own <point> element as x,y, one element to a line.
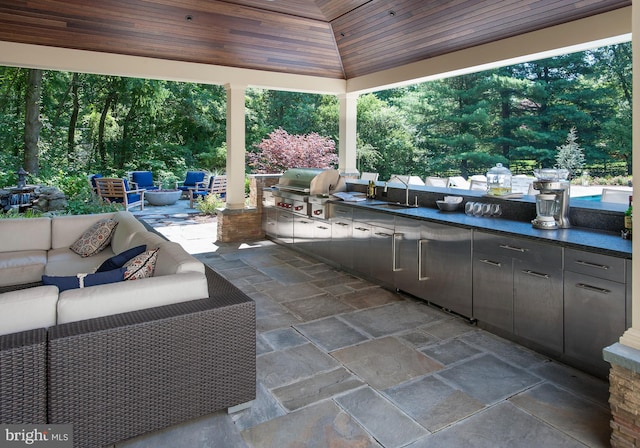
<point>116,190</point>
<point>369,176</point>
<point>91,178</point>
<point>615,195</point>
<point>192,180</point>
<point>458,182</point>
<point>143,180</point>
<point>436,181</point>
<point>217,185</point>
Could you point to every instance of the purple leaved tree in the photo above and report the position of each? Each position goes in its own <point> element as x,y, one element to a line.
<point>281,151</point>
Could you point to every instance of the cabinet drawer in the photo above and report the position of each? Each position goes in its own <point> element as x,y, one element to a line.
<point>518,248</point>
<point>341,211</point>
<point>596,265</point>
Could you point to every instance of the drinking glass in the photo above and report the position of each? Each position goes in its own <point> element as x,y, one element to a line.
<point>496,210</point>
<point>486,209</point>
<point>468,208</point>
<point>477,209</point>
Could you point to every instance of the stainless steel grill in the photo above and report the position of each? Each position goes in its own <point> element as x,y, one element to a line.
<point>305,191</point>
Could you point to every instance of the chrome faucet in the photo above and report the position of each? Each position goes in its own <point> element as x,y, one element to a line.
<point>406,190</point>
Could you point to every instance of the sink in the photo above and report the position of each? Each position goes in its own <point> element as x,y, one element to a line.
<point>392,206</point>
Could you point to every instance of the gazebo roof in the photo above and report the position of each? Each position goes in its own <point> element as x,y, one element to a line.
<point>331,39</point>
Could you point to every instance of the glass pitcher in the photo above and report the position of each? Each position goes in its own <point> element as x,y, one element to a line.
<point>499,180</point>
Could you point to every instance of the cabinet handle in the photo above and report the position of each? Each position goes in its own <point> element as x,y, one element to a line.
<point>517,249</point>
<point>342,224</point>
<point>394,267</point>
<point>592,288</point>
<point>362,229</point>
<point>420,244</point>
<point>592,265</point>
<point>388,235</point>
<point>492,263</point>
<point>535,274</point>
<point>322,227</point>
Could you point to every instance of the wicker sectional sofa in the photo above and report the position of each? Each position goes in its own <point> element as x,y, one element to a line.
<point>116,373</point>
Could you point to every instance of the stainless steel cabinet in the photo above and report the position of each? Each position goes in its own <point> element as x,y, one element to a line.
<point>372,234</point>
<point>321,239</point>
<point>381,255</point>
<point>341,248</point>
<point>595,306</point>
<point>303,232</point>
<point>361,244</point>
<point>284,226</point>
<point>433,262</point>
<point>517,287</point>
<point>538,302</point>
<point>493,289</point>
<point>269,221</point>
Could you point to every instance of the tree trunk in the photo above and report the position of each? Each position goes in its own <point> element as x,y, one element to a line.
<point>103,118</point>
<point>32,123</point>
<point>71,135</point>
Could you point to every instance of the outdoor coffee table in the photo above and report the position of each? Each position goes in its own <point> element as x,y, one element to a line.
<point>162,197</point>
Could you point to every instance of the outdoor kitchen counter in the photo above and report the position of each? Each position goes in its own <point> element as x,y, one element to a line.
<point>609,243</point>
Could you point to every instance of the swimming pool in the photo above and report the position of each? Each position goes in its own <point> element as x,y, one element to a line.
<point>593,197</point>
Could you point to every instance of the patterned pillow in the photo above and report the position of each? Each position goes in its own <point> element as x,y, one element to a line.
<point>95,238</point>
<point>141,266</point>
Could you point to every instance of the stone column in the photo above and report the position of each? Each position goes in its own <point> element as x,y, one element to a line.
<point>624,357</point>
<point>347,134</point>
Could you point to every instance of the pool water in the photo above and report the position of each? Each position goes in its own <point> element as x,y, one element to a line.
<point>594,197</point>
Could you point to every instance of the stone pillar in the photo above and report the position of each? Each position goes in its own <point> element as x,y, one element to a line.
<point>348,135</point>
<point>624,357</point>
<point>237,225</point>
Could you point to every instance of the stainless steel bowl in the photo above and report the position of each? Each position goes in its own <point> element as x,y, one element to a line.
<point>448,206</point>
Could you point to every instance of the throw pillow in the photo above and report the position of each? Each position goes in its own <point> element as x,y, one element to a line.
<point>95,238</point>
<point>83,280</point>
<point>141,266</point>
<point>117,261</point>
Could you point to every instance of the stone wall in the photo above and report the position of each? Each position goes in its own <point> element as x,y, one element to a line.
<point>236,225</point>
<point>624,395</point>
<point>624,400</point>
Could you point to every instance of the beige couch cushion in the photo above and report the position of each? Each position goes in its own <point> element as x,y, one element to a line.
<point>27,309</point>
<point>122,297</point>
<point>65,230</point>
<point>127,227</point>
<point>173,259</point>
<point>25,234</point>
<point>64,261</point>
<point>17,268</point>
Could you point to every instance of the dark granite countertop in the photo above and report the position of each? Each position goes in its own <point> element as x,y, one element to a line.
<point>609,243</point>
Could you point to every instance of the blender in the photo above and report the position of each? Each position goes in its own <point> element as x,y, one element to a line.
<point>552,204</point>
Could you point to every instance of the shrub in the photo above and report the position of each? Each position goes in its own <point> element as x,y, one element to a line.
<point>209,203</point>
<point>282,151</point>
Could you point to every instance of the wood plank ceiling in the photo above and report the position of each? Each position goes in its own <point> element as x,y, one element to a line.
<point>330,38</point>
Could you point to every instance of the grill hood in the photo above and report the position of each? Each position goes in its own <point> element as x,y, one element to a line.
<point>311,181</point>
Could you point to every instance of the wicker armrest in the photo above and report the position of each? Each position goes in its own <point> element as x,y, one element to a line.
<point>120,376</point>
<point>23,377</point>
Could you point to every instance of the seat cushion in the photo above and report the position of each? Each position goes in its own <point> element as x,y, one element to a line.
<point>66,262</point>
<point>17,268</point>
<point>144,179</point>
<point>122,297</point>
<point>192,178</point>
<point>27,309</point>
